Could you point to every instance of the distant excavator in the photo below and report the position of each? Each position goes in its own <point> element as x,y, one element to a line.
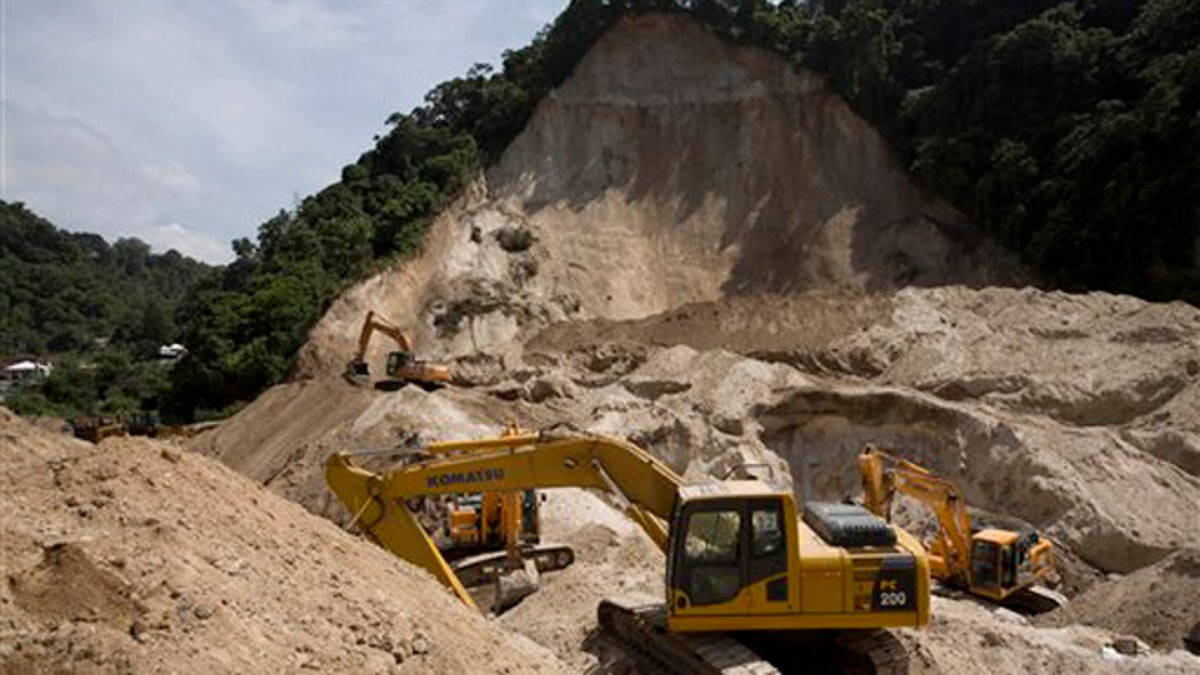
<point>1005,567</point>
<point>402,367</point>
<point>740,559</point>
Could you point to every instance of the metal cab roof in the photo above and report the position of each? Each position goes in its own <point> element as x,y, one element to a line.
<point>998,537</point>
<point>727,489</point>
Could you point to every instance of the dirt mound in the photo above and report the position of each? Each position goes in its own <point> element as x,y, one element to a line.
<point>968,637</point>
<point>134,556</point>
<point>613,558</point>
<point>1157,604</point>
<point>67,584</point>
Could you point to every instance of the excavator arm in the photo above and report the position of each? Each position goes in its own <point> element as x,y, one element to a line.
<point>884,474</point>
<point>372,323</point>
<point>647,488</point>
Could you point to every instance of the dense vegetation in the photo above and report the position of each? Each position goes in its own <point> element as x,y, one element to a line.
<point>102,310</point>
<point>1068,128</point>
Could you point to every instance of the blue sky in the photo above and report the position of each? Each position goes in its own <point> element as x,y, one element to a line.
<point>188,123</point>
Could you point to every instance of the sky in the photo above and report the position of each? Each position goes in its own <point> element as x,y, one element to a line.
<point>187,123</point>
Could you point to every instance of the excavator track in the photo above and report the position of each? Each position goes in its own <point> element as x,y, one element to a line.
<point>641,628</point>
<point>871,652</point>
<point>485,567</point>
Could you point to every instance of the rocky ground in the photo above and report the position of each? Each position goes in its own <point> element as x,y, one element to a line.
<point>648,260</point>
<point>672,288</point>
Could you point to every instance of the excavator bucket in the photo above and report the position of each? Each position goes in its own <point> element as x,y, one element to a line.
<point>357,372</point>
<point>515,586</point>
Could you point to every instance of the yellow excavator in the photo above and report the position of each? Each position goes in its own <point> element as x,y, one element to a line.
<point>96,429</point>
<point>1003,566</point>
<point>486,535</point>
<point>741,560</point>
<point>402,367</point>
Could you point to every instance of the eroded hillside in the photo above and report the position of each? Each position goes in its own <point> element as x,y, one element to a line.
<point>695,247</point>
<point>652,179</point>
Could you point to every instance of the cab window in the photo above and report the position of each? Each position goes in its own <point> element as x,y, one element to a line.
<point>711,571</point>
<point>712,537</point>
<point>767,532</point>
<point>984,556</point>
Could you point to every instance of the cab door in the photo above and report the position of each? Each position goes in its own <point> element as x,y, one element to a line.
<point>767,547</point>
<point>708,570</point>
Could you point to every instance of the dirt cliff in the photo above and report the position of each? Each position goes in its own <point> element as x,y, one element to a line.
<point>653,178</point>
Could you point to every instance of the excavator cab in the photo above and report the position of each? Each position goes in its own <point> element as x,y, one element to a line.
<point>1004,562</point>
<point>736,553</point>
<point>397,362</point>
<point>729,547</point>
<point>993,568</point>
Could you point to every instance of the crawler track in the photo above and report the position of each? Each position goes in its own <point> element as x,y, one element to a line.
<point>484,568</point>
<point>641,630</point>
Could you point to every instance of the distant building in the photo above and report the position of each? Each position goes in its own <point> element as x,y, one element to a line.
<point>171,351</point>
<point>22,371</point>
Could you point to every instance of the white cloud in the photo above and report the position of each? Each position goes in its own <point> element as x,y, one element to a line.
<point>188,242</point>
<point>76,176</point>
<point>134,115</point>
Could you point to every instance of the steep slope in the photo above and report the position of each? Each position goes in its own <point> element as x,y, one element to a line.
<point>652,178</point>
<point>133,556</point>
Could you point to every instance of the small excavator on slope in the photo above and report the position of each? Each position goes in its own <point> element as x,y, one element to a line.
<point>740,561</point>
<point>402,367</point>
<point>1005,567</point>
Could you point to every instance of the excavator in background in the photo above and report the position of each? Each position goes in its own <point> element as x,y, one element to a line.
<point>488,535</point>
<point>1005,567</point>
<point>142,423</point>
<point>96,429</point>
<point>402,368</point>
<point>740,560</point>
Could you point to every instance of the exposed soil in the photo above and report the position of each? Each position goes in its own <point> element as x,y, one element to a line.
<point>138,556</point>
<point>721,263</point>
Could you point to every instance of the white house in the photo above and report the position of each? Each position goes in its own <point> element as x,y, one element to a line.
<point>23,370</point>
<point>171,351</point>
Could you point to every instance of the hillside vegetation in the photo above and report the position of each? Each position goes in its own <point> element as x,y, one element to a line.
<point>1066,129</point>
<point>102,310</point>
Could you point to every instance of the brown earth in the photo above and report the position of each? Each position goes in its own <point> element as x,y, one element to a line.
<point>137,556</point>
<point>1156,603</point>
<point>728,299</point>
<point>728,268</point>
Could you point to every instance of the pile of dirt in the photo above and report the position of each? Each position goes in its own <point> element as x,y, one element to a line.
<point>136,556</point>
<point>1157,603</point>
<point>969,637</point>
<point>613,559</point>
